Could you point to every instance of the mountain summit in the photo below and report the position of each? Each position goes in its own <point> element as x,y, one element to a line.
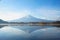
<point>29,18</point>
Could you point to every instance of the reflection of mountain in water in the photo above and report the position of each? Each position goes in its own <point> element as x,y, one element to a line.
<point>52,33</point>
<point>9,33</point>
<point>29,29</point>
<point>1,26</point>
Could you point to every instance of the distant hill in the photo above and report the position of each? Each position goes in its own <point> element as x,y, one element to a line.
<point>2,21</point>
<point>29,18</point>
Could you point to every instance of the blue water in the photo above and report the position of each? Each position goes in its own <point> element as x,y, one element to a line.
<point>29,33</point>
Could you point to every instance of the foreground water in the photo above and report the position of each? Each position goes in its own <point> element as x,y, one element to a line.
<point>30,33</point>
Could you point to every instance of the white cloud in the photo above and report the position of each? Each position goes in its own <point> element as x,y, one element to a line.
<point>49,13</point>
<point>10,15</point>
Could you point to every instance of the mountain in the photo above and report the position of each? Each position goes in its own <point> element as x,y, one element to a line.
<point>2,21</point>
<point>29,18</point>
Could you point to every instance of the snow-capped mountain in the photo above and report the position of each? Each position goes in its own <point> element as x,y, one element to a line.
<point>29,18</point>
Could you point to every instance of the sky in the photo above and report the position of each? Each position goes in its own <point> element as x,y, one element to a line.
<point>43,9</point>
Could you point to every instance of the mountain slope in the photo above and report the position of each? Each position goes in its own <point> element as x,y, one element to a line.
<point>2,21</point>
<point>29,18</point>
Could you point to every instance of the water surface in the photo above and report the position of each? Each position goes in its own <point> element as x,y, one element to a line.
<point>29,33</point>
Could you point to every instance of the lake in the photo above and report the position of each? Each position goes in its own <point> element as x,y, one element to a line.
<point>30,33</point>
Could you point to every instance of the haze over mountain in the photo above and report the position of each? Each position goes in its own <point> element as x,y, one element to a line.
<point>30,18</point>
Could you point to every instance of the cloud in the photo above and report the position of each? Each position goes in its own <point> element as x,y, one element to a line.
<point>48,13</point>
<point>8,13</point>
<point>11,15</point>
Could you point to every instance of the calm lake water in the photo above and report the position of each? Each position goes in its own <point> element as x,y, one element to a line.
<point>29,33</point>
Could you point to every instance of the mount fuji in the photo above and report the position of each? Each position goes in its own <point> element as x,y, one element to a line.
<point>30,18</point>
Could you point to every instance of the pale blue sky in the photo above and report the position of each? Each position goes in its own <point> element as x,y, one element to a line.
<point>45,9</point>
